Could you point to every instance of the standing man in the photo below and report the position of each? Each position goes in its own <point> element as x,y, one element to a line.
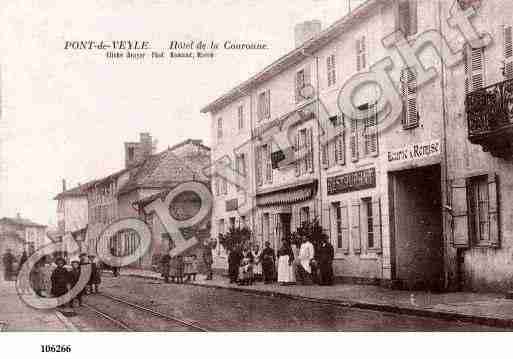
<point>325,255</point>
<point>234,259</point>
<point>164,266</point>
<point>306,254</point>
<point>8,262</point>
<point>208,259</point>
<point>268,261</point>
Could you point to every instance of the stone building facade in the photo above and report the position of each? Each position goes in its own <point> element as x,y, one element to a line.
<point>413,201</point>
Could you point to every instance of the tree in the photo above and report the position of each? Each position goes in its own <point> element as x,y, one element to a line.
<point>235,237</point>
<point>311,230</point>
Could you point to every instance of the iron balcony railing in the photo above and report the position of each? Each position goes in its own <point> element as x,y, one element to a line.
<point>490,109</point>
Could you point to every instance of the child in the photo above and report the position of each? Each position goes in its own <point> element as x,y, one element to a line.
<point>246,271</point>
<point>179,269</point>
<point>187,268</point>
<point>96,276</point>
<point>74,275</point>
<point>194,267</point>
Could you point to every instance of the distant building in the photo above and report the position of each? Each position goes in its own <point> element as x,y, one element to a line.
<point>117,195</point>
<point>21,234</point>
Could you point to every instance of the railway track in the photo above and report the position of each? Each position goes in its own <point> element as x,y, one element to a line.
<point>129,316</point>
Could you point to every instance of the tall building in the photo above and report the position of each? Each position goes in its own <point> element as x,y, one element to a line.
<point>419,200</point>
<point>20,234</point>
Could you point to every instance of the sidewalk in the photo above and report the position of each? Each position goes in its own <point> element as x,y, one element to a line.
<point>478,308</point>
<point>15,315</point>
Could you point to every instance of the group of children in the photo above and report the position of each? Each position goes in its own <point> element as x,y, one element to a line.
<point>179,269</point>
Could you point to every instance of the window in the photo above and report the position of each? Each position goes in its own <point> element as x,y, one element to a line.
<point>220,128</point>
<point>264,105</point>
<point>304,215</point>
<point>242,221</point>
<point>258,162</point>
<point>334,151</point>
<point>225,186</point>
<point>220,228</point>
<point>240,117</point>
<point>474,68</point>
<point>232,222</point>
<point>410,117</point>
<point>407,17</point>
<point>371,131</point>
<point>331,69</point>
<point>240,167</point>
<point>131,153</point>
<point>475,211</point>
<point>217,182</point>
<point>304,151</point>
<point>508,52</point>
<point>361,54</point>
<point>341,226</point>
<point>300,85</point>
<point>267,162</point>
<point>367,205</point>
<point>353,139</point>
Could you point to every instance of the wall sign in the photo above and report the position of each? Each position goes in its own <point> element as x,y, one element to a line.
<point>415,152</point>
<point>354,181</point>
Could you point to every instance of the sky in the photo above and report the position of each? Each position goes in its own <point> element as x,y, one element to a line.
<point>66,114</point>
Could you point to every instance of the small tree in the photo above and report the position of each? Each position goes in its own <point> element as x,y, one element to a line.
<point>311,230</point>
<point>236,236</point>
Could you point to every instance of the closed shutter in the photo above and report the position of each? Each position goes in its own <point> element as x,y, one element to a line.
<point>477,68</point>
<point>268,104</point>
<point>310,156</point>
<point>259,228</point>
<point>272,230</point>
<point>268,164</point>
<point>344,213</point>
<point>296,155</point>
<point>409,90</point>
<point>297,220</point>
<point>340,143</point>
<point>404,17</point>
<point>326,222</point>
<point>358,58</point>
<point>466,63</point>
<point>508,52</point>
<point>376,223</point>
<point>299,86</point>
<point>354,139</point>
<point>460,235</point>
<point>371,132</point>
<point>308,81</point>
<point>259,174</point>
<point>325,155</point>
<point>355,227</point>
<point>493,210</point>
<point>225,186</point>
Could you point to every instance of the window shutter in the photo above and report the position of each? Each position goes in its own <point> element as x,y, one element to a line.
<point>477,68</point>
<point>404,17</point>
<point>310,156</point>
<point>493,210</point>
<point>508,52</point>
<point>325,155</point>
<point>259,171</point>
<point>376,223</point>
<point>296,156</point>
<point>358,63</point>
<point>371,132</point>
<point>308,76</point>
<point>259,228</point>
<point>466,63</point>
<point>355,227</point>
<point>354,140</point>
<point>326,221</point>
<point>298,86</point>
<point>413,17</point>
<point>268,104</point>
<point>268,164</point>
<point>410,112</point>
<point>344,212</point>
<point>225,186</point>
<point>460,235</point>
<point>363,54</point>
<point>340,143</point>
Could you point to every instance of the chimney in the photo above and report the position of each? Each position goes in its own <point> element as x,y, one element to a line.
<point>63,185</point>
<point>306,30</point>
<point>137,152</point>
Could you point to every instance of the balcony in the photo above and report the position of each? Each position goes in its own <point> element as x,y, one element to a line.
<point>490,118</point>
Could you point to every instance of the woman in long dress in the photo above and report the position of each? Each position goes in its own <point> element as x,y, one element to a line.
<point>257,267</point>
<point>285,260</point>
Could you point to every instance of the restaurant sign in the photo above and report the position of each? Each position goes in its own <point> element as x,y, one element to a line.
<point>354,181</point>
<point>415,152</point>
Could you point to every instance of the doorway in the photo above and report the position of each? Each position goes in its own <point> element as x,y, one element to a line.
<point>416,222</point>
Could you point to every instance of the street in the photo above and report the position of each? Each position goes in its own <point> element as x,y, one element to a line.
<point>226,310</point>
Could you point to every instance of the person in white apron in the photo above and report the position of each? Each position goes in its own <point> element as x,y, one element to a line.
<point>285,261</point>
<point>257,268</point>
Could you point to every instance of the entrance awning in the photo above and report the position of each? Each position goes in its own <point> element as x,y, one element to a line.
<point>284,195</point>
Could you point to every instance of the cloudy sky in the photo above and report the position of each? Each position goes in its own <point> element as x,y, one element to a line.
<point>66,114</point>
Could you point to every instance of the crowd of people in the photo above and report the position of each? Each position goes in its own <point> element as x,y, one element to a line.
<point>179,269</point>
<point>290,265</point>
<point>52,278</point>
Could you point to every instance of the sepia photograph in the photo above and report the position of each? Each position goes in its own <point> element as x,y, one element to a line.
<point>246,166</point>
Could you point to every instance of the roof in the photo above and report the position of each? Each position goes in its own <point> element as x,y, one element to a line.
<point>166,170</point>
<point>198,143</point>
<point>162,194</point>
<point>18,221</point>
<point>295,56</point>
